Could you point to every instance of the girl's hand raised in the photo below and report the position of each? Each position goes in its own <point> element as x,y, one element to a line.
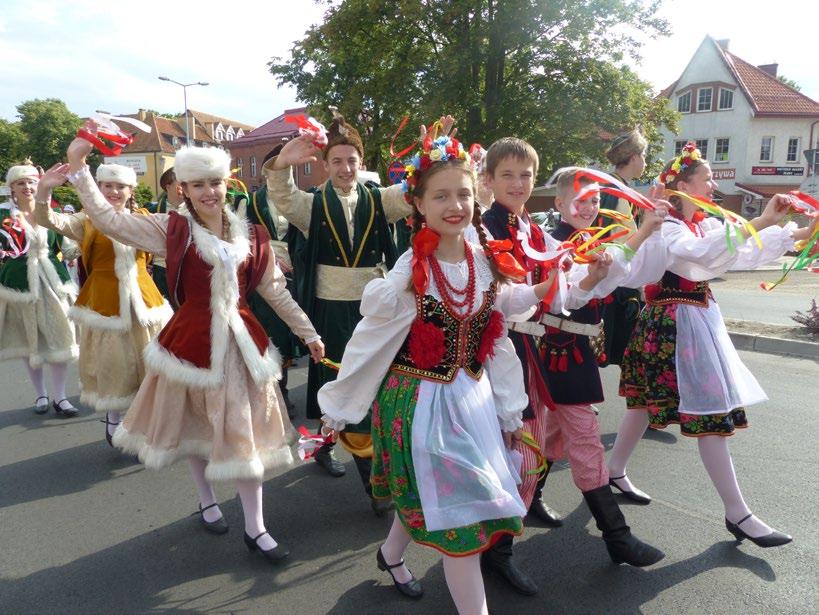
<point>55,176</point>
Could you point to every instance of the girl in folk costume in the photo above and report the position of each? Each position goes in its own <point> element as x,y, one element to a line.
<point>438,447</point>
<point>229,428</point>
<point>35,293</point>
<point>119,309</point>
<point>680,366</point>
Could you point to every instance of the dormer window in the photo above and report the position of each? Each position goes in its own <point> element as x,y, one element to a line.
<point>684,103</point>
<point>704,96</point>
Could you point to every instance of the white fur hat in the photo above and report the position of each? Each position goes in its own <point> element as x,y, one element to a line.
<point>20,171</point>
<point>194,163</point>
<point>116,173</point>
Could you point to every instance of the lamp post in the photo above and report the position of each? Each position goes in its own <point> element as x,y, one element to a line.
<point>185,87</point>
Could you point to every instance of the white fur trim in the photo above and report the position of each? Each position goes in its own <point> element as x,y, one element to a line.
<point>192,163</point>
<point>117,173</point>
<point>225,319</point>
<point>251,469</point>
<point>98,403</point>
<point>157,458</point>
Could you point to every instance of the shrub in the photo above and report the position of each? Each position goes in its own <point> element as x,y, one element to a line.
<point>809,319</point>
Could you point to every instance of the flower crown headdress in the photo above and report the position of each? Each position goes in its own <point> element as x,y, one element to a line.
<point>433,149</point>
<point>688,156</point>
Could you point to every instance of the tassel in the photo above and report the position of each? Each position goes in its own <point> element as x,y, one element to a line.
<point>553,362</point>
<point>578,356</point>
<point>602,359</point>
<point>563,362</point>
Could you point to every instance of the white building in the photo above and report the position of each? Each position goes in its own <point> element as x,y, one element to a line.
<point>760,135</point>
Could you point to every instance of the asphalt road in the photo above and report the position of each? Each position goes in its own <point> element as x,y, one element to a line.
<point>739,295</point>
<point>83,529</point>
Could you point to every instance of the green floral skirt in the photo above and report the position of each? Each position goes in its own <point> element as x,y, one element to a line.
<point>649,378</point>
<point>393,474</point>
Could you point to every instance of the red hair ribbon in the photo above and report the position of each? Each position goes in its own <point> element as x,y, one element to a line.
<point>424,245</point>
<point>119,141</point>
<point>500,252</point>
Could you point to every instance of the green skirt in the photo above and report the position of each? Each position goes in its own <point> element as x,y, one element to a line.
<point>393,475</point>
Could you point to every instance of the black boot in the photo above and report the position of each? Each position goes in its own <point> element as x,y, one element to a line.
<point>325,458</point>
<point>379,505</point>
<point>499,559</point>
<point>623,547</point>
<point>291,407</point>
<point>539,508</point>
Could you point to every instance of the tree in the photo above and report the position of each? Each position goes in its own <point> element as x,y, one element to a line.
<point>790,83</point>
<point>66,195</point>
<point>12,145</point>
<point>49,127</point>
<point>548,71</point>
<point>143,194</point>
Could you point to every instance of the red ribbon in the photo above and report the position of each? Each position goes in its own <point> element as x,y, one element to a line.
<point>409,147</point>
<point>424,245</point>
<point>119,141</point>
<point>500,252</point>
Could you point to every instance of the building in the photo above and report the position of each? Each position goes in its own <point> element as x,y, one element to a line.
<point>760,135</point>
<point>221,130</point>
<point>248,152</point>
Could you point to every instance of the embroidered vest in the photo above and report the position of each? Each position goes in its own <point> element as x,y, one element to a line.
<point>675,289</point>
<point>461,340</point>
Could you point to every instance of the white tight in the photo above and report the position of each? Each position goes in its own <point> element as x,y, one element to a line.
<point>59,372</point>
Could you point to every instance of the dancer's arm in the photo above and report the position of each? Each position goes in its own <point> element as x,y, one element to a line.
<point>68,225</point>
<point>282,193</point>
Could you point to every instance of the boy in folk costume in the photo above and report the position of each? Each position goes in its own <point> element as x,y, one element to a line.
<point>572,373</point>
<point>348,245</point>
<point>628,155</point>
<point>168,202</point>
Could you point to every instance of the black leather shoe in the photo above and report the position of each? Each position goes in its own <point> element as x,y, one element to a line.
<point>544,513</point>
<point>499,559</point>
<point>638,496</point>
<point>67,413</point>
<point>219,526</point>
<point>326,459</point>
<point>411,588</point>
<point>774,539</point>
<point>108,437</point>
<point>274,555</point>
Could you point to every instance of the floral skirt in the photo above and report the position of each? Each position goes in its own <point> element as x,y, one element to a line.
<point>649,378</point>
<point>394,474</point>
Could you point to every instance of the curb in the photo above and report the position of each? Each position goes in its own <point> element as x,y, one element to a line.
<point>775,345</point>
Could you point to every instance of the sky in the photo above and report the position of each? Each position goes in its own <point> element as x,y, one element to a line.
<point>108,55</point>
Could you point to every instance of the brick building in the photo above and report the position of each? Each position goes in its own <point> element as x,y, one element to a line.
<point>248,152</point>
<point>760,135</point>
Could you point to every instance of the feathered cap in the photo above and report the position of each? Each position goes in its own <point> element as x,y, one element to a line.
<point>117,173</point>
<point>624,146</point>
<point>194,163</point>
<point>342,133</point>
<point>19,171</point>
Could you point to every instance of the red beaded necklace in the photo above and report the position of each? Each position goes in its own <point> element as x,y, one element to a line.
<point>444,286</point>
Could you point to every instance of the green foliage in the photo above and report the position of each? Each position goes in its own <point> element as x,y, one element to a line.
<point>143,194</point>
<point>790,82</point>
<point>12,145</point>
<point>49,127</point>
<point>66,195</point>
<point>548,71</point>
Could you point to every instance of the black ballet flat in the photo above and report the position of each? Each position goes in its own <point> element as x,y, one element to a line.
<point>38,409</point>
<point>66,413</point>
<point>774,539</point>
<point>411,588</point>
<point>108,437</point>
<point>640,497</point>
<point>219,526</point>
<point>274,555</point>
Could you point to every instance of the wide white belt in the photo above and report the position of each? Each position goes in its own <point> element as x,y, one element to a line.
<point>527,327</point>
<point>345,283</point>
<point>570,326</point>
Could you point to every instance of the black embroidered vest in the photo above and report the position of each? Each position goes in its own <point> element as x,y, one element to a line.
<point>675,289</point>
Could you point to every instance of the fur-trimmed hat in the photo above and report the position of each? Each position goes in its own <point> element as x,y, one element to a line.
<point>342,133</point>
<point>194,163</point>
<point>624,146</point>
<point>117,173</point>
<point>20,171</point>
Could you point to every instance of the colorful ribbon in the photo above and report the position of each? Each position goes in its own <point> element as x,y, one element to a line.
<point>733,221</point>
<point>424,244</point>
<point>529,441</point>
<point>408,148</point>
<point>500,252</point>
<point>309,126</point>
<point>806,259</point>
<point>330,363</point>
<point>309,443</point>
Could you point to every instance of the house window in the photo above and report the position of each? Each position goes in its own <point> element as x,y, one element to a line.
<point>726,99</point>
<point>684,103</point>
<point>239,167</point>
<point>704,99</point>
<point>766,149</point>
<point>721,150</point>
<point>793,149</point>
<point>220,136</point>
<point>678,145</point>
<point>308,168</point>
<point>253,166</point>
<point>702,145</point>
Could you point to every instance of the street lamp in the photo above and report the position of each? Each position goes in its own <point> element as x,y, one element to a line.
<point>185,87</point>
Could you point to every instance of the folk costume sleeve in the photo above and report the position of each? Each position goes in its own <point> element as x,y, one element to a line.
<point>395,205</point>
<point>146,233</point>
<point>294,204</point>
<point>388,309</point>
<point>67,225</point>
<point>273,289</point>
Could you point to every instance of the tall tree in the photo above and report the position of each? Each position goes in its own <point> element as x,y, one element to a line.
<point>12,146</point>
<point>549,71</point>
<point>49,127</point>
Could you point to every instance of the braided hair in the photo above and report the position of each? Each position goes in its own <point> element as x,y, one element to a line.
<point>198,219</point>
